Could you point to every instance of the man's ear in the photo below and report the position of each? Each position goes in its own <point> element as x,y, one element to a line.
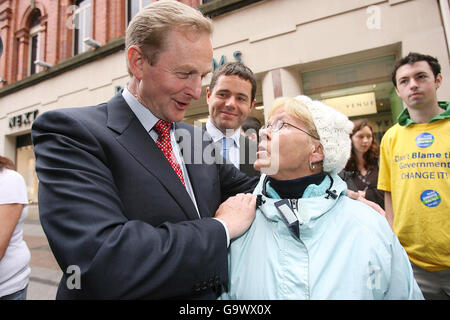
<point>252,104</point>
<point>136,61</point>
<point>396,90</point>
<point>438,81</point>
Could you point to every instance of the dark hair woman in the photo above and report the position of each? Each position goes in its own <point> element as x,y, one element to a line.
<point>361,171</point>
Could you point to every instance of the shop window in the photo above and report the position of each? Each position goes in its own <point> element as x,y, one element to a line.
<point>35,40</point>
<point>82,30</point>
<point>134,6</point>
<point>25,165</point>
<point>359,90</point>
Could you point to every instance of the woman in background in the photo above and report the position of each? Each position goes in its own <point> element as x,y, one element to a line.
<point>14,253</point>
<point>361,170</point>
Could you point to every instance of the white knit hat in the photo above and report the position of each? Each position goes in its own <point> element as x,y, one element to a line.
<point>334,130</point>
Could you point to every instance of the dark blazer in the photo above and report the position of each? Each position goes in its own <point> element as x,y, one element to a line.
<point>111,204</point>
<point>247,154</point>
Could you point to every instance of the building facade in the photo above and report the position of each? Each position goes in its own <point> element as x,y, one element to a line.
<point>64,53</point>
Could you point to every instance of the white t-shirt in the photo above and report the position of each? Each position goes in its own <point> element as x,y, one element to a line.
<point>14,266</point>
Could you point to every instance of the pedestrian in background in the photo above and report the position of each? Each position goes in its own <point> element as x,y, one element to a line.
<point>417,188</point>
<point>14,253</point>
<point>231,97</point>
<point>361,170</point>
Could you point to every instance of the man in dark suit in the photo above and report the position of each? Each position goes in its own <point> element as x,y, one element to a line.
<point>120,198</point>
<point>231,97</point>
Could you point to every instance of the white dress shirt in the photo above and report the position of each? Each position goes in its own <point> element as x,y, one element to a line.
<point>217,136</point>
<point>148,120</point>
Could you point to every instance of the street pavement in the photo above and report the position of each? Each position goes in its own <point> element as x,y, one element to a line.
<point>45,272</point>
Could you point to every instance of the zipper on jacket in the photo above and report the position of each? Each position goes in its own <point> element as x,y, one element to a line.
<point>294,205</point>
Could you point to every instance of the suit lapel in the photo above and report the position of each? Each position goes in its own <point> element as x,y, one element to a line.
<point>242,151</point>
<point>244,156</point>
<point>134,138</point>
<point>201,178</point>
<point>247,156</point>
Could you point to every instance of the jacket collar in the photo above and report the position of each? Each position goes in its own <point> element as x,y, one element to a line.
<point>314,203</point>
<point>404,119</point>
<point>119,114</point>
<point>217,135</point>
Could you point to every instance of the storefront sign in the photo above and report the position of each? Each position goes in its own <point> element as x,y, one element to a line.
<point>223,60</point>
<point>23,119</point>
<point>354,105</point>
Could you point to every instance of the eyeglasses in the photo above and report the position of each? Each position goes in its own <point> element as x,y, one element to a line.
<point>279,124</point>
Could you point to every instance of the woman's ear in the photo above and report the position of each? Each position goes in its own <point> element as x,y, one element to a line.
<point>317,154</point>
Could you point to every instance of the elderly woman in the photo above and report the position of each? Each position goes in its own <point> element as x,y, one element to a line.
<point>309,240</point>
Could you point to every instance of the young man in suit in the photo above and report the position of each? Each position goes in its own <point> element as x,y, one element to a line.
<point>118,198</point>
<point>231,97</point>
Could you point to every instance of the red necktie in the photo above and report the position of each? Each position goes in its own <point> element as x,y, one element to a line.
<point>163,142</point>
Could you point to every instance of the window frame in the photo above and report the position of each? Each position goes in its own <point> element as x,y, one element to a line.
<point>35,32</point>
<point>129,11</point>
<point>81,31</point>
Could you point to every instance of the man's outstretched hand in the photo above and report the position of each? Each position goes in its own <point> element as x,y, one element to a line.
<point>238,213</point>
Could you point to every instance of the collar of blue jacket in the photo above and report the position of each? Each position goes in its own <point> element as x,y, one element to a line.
<point>313,204</point>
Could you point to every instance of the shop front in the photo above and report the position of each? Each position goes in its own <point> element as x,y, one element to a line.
<point>339,52</point>
<point>362,89</point>
<point>359,90</point>
<point>21,152</point>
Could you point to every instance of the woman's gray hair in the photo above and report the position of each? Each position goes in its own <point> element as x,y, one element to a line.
<point>149,28</point>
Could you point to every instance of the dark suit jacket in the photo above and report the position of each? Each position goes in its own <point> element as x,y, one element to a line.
<point>247,151</point>
<point>111,204</point>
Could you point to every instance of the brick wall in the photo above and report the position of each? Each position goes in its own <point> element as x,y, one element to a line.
<point>108,22</point>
